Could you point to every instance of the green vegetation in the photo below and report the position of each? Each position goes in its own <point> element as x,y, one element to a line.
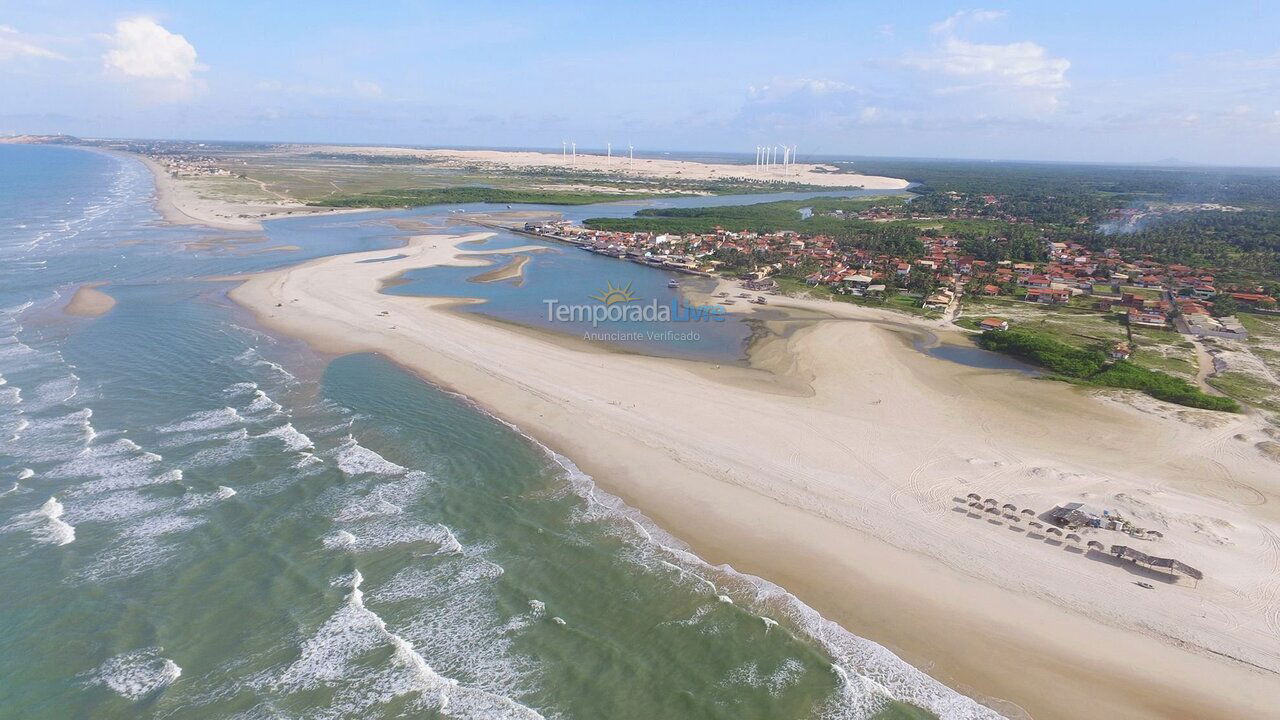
<point>1090,366</point>
<point>469,194</point>
<point>829,217</point>
<point>1250,389</point>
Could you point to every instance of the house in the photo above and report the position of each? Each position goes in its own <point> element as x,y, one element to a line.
<point>1120,351</point>
<point>1049,296</point>
<point>991,290</point>
<point>1147,318</point>
<point>993,323</point>
<point>1035,281</point>
<point>904,269</point>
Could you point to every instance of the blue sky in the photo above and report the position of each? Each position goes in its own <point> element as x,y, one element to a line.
<point>1095,81</point>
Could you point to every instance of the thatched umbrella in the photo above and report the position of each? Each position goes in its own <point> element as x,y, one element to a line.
<point>1028,512</point>
<point>990,501</point>
<point>1095,545</point>
<point>1036,525</point>
<point>974,496</point>
<point>1073,537</point>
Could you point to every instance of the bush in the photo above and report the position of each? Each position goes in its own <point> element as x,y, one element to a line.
<point>1091,367</point>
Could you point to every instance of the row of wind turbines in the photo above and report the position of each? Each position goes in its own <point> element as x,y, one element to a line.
<point>569,152</point>
<point>767,158</point>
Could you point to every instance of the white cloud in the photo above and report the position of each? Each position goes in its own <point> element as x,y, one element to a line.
<point>788,88</point>
<point>1022,69</point>
<point>1022,64</point>
<point>950,23</point>
<point>143,50</point>
<point>14,45</point>
<point>366,89</point>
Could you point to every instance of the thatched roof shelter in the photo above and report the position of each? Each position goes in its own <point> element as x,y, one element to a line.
<point>1009,506</point>
<point>1036,524</point>
<point>1029,512</point>
<point>1073,537</point>
<point>1155,533</point>
<point>1095,545</point>
<point>1055,531</point>
<point>1169,565</point>
<point>974,496</point>
<point>976,505</point>
<point>991,501</point>
<point>992,510</point>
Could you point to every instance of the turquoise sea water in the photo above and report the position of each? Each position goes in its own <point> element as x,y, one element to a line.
<point>199,520</point>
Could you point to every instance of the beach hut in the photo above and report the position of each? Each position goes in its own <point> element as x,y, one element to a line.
<point>974,496</point>
<point>1095,545</point>
<point>1028,512</point>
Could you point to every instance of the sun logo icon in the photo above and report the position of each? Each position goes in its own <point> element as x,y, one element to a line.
<point>612,295</point>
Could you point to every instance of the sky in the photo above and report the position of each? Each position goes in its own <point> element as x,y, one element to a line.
<point>1131,81</point>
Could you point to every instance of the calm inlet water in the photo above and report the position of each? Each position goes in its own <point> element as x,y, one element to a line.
<point>198,520</point>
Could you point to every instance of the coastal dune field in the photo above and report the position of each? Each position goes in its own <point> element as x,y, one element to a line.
<point>620,166</point>
<point>837,464</point>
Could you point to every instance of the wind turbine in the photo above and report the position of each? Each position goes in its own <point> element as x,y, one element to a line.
<point>608,150</point>
<point>631,156</point>
<point>574,149</point>
<point>564,149</point>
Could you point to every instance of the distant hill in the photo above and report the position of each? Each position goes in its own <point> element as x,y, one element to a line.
<point>40,140</point>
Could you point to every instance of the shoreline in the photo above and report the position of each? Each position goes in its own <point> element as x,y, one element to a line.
<point>921,584</point>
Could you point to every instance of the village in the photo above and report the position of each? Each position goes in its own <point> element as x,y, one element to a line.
<point>1148,293</point>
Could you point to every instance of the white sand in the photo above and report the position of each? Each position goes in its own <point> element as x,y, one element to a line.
<point>831,468</point>
<point>619,166</point>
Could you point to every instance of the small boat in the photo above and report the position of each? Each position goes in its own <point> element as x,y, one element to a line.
<point>1148,586</point>
<point>673,284</point>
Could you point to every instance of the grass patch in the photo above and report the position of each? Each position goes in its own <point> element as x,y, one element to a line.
<point>1247,388</point>
<point>471,194</point>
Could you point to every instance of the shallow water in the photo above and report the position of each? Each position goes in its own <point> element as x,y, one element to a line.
<point>199,520</point>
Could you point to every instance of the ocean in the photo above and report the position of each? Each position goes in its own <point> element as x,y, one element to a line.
<point>201,520</point>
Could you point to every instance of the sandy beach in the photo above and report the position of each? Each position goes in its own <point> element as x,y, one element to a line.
<point>620,166</point>
<point>833,465</point>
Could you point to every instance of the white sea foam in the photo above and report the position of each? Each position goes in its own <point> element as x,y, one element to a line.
<point>239,389</point>
<point>262,403</point>
<point>355,459</point>
<point>204,420</point>
<point>11,490</point>
<point>45,524</point>
<point>25,473</point>
<point>138,674</point>
<point>331,658</point>
<point>293,439</point>
<point>225,493</point>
